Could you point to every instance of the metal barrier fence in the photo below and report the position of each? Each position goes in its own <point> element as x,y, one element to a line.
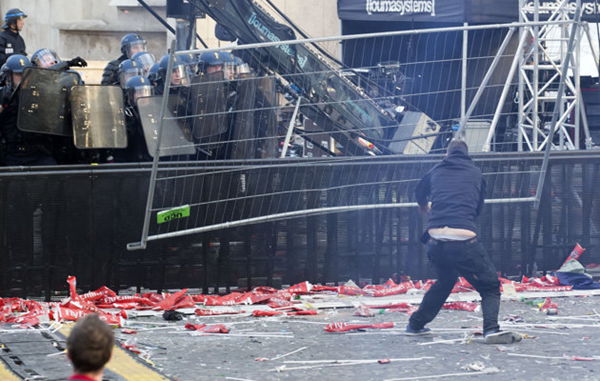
<point>403,92</point>
<point>76,221</point>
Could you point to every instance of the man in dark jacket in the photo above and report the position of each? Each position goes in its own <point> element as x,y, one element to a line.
<point>456,190</point>
<point>130,44</point>
<point>11,41</point>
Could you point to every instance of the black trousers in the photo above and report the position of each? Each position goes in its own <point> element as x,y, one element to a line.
<point>469,260</point>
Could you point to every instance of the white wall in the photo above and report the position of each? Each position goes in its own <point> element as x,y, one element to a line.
<point>88,28</point>
<point>92,29</point>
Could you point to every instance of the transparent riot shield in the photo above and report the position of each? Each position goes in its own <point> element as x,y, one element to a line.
<point>175,139</point>
<point>44,101</point>
<point>98,117</point>
<point>208,105</point>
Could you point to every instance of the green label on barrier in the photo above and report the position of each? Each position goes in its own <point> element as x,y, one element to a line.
<point>173,214</point>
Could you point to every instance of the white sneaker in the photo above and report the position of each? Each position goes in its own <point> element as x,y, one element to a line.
<point>502,337</point>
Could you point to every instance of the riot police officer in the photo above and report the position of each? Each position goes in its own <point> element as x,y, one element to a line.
<point>130,44</point>
<point>11,41</point>
<point>211,62</point>
<point>192,63</point>
<point>228,65</point>
<point>136,151</point>
<point>146,61</point>
<point>48,59</point>
<point>127,70</point>
<point>21,148</point>
<point>180,74</point>
<point>153,74</point>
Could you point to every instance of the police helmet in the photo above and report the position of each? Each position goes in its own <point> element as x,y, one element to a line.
<point>191,61</point>
<point>45,58</point>
<point>132,43</point>
<point>153,72</point>
<point>145,59</point>
<point>137,87</point>
<point>227,57</point>
<point>128,69</point>
<point>180,74</point>
<point>11,17</point>
<point>14,64</point>
<point>212,58</point>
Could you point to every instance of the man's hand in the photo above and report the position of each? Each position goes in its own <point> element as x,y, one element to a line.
<point>78,61</point>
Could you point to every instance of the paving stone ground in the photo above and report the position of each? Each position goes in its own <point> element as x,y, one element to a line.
<point>186,357</point>
<point>233,356</point>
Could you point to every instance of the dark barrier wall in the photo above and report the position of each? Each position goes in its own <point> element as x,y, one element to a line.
<point>77,221</point>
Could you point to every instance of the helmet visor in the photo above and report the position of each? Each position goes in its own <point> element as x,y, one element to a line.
<point>126,74</point>
<point>214,68</point>
<point>16,78</point>
<point>242,69</point>
<point>229,70</point>
<point>180,76</point>
<point>136,47</point>
<point>141,91</point>
<point>146,60</point>
<point>45,58</point>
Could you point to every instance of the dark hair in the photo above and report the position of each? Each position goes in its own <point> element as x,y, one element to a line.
<point>90,344</point>
<point>458,145</point>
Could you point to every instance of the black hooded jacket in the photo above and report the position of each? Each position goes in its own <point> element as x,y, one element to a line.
<point>110,76</point>
<point>456,190</point>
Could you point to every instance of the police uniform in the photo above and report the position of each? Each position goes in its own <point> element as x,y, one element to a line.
<point>110,76</point>
<point>11,43</point>
<point>21,148</point>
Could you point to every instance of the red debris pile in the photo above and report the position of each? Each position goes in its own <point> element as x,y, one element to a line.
<point>28,313</point>
<point>211,328</point>
<point>345,327</point>
<point>461,306</point>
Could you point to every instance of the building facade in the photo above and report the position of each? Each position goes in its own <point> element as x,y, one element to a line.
<point>93,29</point>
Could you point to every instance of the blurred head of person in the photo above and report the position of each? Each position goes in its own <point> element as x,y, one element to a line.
<point>138,87</point>
<point>180,72</point>
<point>11,72</point>
<point>45,58</point>
<point>131,44</point>
<point>129,69</point>
<point>145,59</point>
<point>14,19</point>
<point>89,346</point>
<point>212,62</point>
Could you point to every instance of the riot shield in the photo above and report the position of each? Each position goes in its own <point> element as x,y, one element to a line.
<point>44,101</point>
<point>98,117</point>
<point>243,135</point>
<point>208,103</point>
<point>267,101</point>
<point>175,140</point>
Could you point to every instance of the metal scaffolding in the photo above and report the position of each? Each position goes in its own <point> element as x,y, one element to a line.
<point>549,94</point>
